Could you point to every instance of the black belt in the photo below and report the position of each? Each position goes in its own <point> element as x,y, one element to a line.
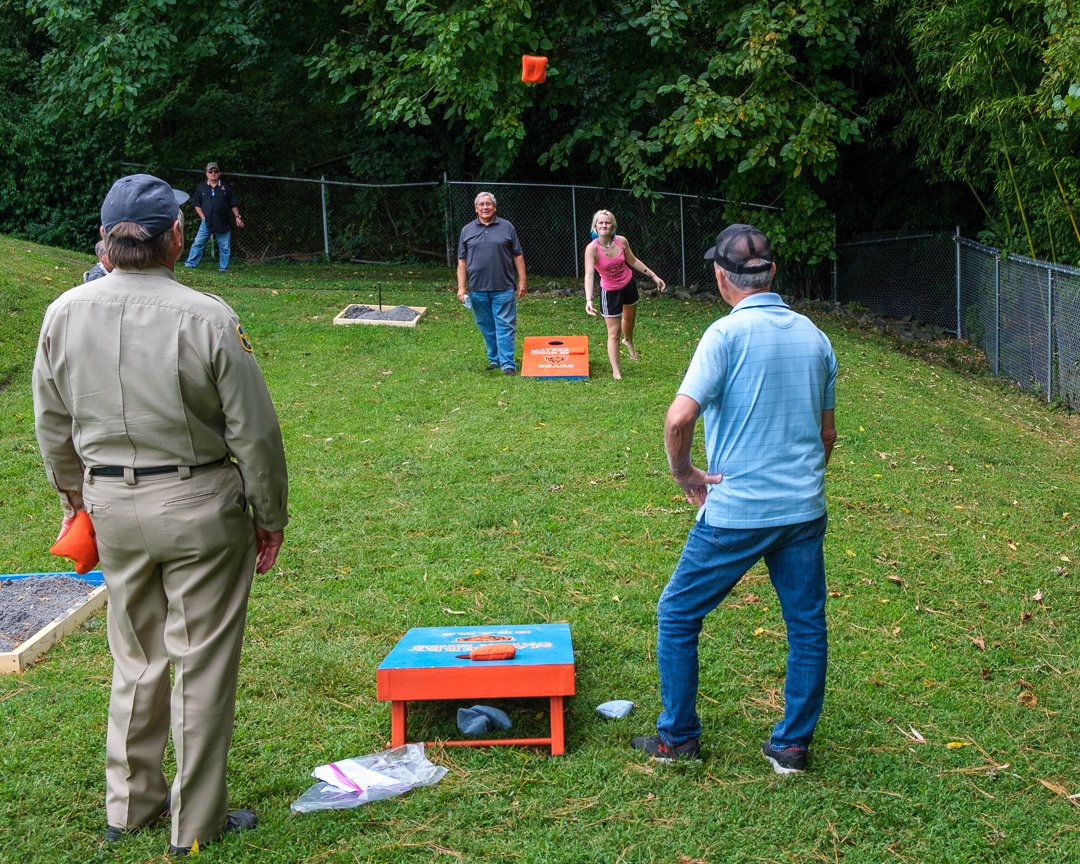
<point>118,470</point>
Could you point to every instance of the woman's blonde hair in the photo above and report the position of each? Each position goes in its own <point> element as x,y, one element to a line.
<point>610,215</point>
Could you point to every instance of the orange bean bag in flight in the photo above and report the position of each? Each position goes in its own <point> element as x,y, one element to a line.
<point>533,69</point>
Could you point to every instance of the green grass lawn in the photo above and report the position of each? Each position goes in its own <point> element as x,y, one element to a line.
<point>426,492</point>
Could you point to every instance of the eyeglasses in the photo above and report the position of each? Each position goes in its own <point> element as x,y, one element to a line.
<point>214,171</point>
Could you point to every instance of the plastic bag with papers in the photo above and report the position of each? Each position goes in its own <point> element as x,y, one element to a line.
<point>352,782</point>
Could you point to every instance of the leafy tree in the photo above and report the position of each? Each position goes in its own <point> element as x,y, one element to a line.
<point>132,60</point>
<point>52,173</point>
<point>753,97</point>
<point>85,83</point>
<point>989,97</point>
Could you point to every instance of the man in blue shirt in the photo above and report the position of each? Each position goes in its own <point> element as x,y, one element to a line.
<point>489,256</point>
<point>763,379</point>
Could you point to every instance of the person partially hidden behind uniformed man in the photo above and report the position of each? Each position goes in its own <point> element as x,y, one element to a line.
<point>152,415</point>
<point>102,268</point>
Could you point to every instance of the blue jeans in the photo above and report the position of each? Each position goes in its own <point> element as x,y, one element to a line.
<point>495,313</point>
<point>712,562</point>
<point>199,244</point>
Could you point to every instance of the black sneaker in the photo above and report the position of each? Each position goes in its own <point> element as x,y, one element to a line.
<point>654,745</point>
<point>113,834</point>
<point>790,760</point>
<point>493,367</point>
<point>235,822</point>
<point>509,370</point>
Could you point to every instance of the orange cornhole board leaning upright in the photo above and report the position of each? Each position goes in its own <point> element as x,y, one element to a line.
<point>555,357</point>
<point>430,663</point>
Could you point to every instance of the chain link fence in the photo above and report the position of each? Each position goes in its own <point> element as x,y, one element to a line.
<point>668,232</point>
<point>1024,314</point>
<point>300,219</point>
<point>297,219</point>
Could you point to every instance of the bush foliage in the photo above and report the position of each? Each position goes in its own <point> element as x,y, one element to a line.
<point>750,102</point>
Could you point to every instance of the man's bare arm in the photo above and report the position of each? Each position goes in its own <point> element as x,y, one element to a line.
<point>828,431</point>
<point>678,438</point>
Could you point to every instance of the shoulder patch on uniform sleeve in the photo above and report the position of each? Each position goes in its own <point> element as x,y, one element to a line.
<point>243,338</point>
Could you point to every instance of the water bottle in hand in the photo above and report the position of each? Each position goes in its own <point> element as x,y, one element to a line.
<point>467,302</point>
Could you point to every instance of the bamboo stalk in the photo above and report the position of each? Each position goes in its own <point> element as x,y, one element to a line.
<point>1012,174</point>
<point>1046,150</point>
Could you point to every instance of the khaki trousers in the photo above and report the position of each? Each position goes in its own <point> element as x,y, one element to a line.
<point>178,554</point>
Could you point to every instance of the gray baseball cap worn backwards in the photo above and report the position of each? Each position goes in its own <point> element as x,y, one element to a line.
<point>144,200</point>
<point>738,244</point>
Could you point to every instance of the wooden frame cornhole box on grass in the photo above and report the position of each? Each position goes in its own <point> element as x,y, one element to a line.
<point>20,657</point>
<point>341,318</point>
<point>565,357</point>
<point>432,663</point>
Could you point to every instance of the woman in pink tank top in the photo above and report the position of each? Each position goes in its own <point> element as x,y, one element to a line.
<point>609,255</point>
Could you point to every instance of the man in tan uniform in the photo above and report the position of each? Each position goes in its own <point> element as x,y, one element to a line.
<point>152,415</point>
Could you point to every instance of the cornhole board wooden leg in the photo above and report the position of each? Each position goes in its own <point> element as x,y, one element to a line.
<point>399,717</point>
<point>558,728</point>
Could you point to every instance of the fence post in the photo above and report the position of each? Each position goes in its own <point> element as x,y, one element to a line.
<point>956,239</point>
<point>682,238</point>
<point>573,230</point>
<point>325,226</point>
<point>835,264</point>
<point>1049,335</point>
<point>447,228</point>
<point>997,312</point>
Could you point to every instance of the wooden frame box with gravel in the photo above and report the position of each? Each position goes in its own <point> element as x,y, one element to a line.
<point>37,610</point>
<point>396,316</point>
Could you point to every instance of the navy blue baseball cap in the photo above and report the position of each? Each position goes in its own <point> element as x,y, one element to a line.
<point>739,244</point>
<point>144,200</point>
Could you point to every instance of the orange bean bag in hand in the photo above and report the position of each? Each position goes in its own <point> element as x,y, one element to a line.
<point>78,543</point>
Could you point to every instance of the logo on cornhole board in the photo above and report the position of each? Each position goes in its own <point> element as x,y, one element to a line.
<point>555,357</point>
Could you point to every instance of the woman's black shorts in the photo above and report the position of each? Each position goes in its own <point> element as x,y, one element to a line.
<point>612,302</point>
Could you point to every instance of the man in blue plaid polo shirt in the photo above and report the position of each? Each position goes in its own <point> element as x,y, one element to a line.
<point>490,262</point>
<point>763,378</point>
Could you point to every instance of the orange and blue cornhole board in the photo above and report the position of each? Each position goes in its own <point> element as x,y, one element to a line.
<point>425,665</point>
<point>555,357</point>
